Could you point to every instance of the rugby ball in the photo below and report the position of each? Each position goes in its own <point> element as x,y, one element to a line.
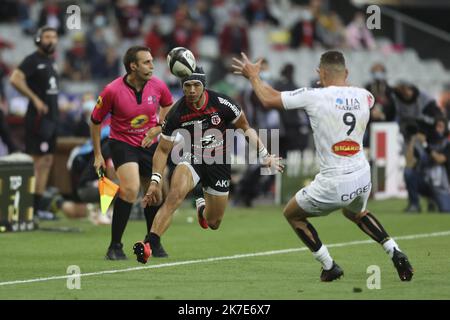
<point>181,62</point>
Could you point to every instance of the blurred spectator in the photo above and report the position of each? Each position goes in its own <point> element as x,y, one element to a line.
<point>52,15</point>
<point>294,124</point>
<point>257,11</point>
<point>185,32</point>
<point>4,71</point>
<point>415,110</point>
<point>304,32</point>
<point>103,58</point>
<point>77,64</point>
<point>233,38</point>
<point>331,30</point>
<point>85,183</point>
<point>357,34</point>
<point>129,17</point>
<point>444,100</point>
<point>223,80</point>
<point>202,15</point>
<point>384,108</point>
<point>427,168</point>
<point>252,184</point>
<point>5,134</point>
<point>26,22</point>
<point>156,42</point>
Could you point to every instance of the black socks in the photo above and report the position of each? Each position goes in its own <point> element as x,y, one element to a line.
<point>150,213</point>
<point>313,244</point>
<point>153,239</point>
<point>372,227</point>
<point>121,213</point>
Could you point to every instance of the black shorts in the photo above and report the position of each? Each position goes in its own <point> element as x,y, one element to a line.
<point>40,135</point>
<point>122,152</point>
<point>215,178</point>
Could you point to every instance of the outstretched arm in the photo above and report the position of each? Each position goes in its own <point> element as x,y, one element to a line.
<point>268,96</point>
<point>272,161</point>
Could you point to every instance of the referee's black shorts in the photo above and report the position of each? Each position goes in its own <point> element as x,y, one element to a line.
<point>122,152</point>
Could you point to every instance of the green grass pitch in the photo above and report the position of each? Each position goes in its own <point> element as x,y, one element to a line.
<point>271,275</point>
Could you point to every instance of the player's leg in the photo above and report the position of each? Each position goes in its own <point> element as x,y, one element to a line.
<point>128,176</point>
<point>297,218</point>
<point>125,159</point>
<point>370,225</point>
<point>145,171</point>
<point>215,180</point>
<point>181,184</point>
<point>42,166</point>
<point>212,209</point>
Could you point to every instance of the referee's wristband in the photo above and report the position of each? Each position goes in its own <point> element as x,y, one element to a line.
<point>156,177</point>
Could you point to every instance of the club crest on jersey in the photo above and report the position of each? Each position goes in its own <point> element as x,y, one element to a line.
<point>215,120</point>
<point>151,99</point>
<point>99,103</point>
<point>139,121</point>
<point>346,148</point>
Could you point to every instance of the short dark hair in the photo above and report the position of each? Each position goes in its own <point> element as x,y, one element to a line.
<point>131,56</point>
<point>334,58</point>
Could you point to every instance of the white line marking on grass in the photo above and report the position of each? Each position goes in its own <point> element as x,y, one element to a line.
<point>233,257</point>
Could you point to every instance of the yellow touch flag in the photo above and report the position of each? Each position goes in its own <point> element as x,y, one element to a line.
<point>107,190</point>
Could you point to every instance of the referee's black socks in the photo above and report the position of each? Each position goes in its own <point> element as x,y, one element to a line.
<point>121,214</point>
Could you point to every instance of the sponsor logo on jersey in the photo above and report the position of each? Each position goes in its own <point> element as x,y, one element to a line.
<point>346,148</point>
<point>215,119</point>
<point>235,109</point>
<point>206,140</point>
<point>347,104</point>
<point>99,102</point>
<point>298,91</point>
<point>139,121</point>
<point>41,66</point>
<point>222,183</point>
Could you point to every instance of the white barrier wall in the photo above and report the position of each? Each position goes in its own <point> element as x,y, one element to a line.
<point>387,161</point>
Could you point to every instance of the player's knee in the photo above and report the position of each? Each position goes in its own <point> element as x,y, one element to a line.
<point>214,225</point>
<point>129,193</point>
<point>288,214</point>
<point>354,217</point>
<point>174,199</point>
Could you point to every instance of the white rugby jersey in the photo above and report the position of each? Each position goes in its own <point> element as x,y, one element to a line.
<point>338,117</point>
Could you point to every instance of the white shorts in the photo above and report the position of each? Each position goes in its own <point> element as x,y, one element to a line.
<point>327,194</point>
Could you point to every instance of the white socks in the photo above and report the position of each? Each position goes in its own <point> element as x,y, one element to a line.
<point>389,247</point>
<point>323,256</point>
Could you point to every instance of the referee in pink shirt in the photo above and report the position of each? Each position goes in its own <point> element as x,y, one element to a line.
<point>133,102</point>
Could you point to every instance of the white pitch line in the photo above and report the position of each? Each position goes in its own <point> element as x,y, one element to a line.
<point>233,257</point>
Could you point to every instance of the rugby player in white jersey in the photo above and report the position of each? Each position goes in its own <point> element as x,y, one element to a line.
<point>338,114</point>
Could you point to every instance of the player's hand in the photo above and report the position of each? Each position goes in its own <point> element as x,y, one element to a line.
<point>40,106</point>
<point>421,137</point>
<point>273,162</point>
<point>99,162</point>
<point>245,67</point>
<point>149,136</point>
<point>153,196</point>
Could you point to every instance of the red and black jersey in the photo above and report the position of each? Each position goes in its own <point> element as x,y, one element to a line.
<point>203,129</point>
